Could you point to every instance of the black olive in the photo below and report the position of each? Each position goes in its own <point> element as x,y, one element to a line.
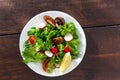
<point>60,20</point>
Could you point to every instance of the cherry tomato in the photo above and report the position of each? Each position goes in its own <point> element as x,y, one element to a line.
<point>32,39</point>
<point>67,49</point>
<point>54,50</point>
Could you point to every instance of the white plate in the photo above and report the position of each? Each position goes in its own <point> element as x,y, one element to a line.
<point>35,21</point>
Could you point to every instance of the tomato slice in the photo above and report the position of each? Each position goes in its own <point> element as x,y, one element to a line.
<point>67,49</point>
<point>32,39</point>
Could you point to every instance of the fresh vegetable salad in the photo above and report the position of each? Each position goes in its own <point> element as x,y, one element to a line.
<point>54,44</point>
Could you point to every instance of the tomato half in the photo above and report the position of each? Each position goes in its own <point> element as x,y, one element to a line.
<point>32,39</point>
<point>67,49</point>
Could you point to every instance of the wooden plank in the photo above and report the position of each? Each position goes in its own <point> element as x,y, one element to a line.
<point>101,61</point>
<point>15,14</point>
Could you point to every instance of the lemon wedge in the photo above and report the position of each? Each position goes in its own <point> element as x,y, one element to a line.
<point>65,62</point>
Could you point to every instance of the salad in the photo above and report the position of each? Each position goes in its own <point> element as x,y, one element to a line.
<point>54,44</point>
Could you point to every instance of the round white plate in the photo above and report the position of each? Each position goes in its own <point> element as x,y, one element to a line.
<point>35,21</point>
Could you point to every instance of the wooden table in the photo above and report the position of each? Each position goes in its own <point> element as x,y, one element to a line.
<point>99,19</point>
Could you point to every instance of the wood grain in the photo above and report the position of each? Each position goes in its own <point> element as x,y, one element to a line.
<point>15,14</point>
<point>101,61</point>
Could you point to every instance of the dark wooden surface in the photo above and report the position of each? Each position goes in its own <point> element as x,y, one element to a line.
<point>99,19</point>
